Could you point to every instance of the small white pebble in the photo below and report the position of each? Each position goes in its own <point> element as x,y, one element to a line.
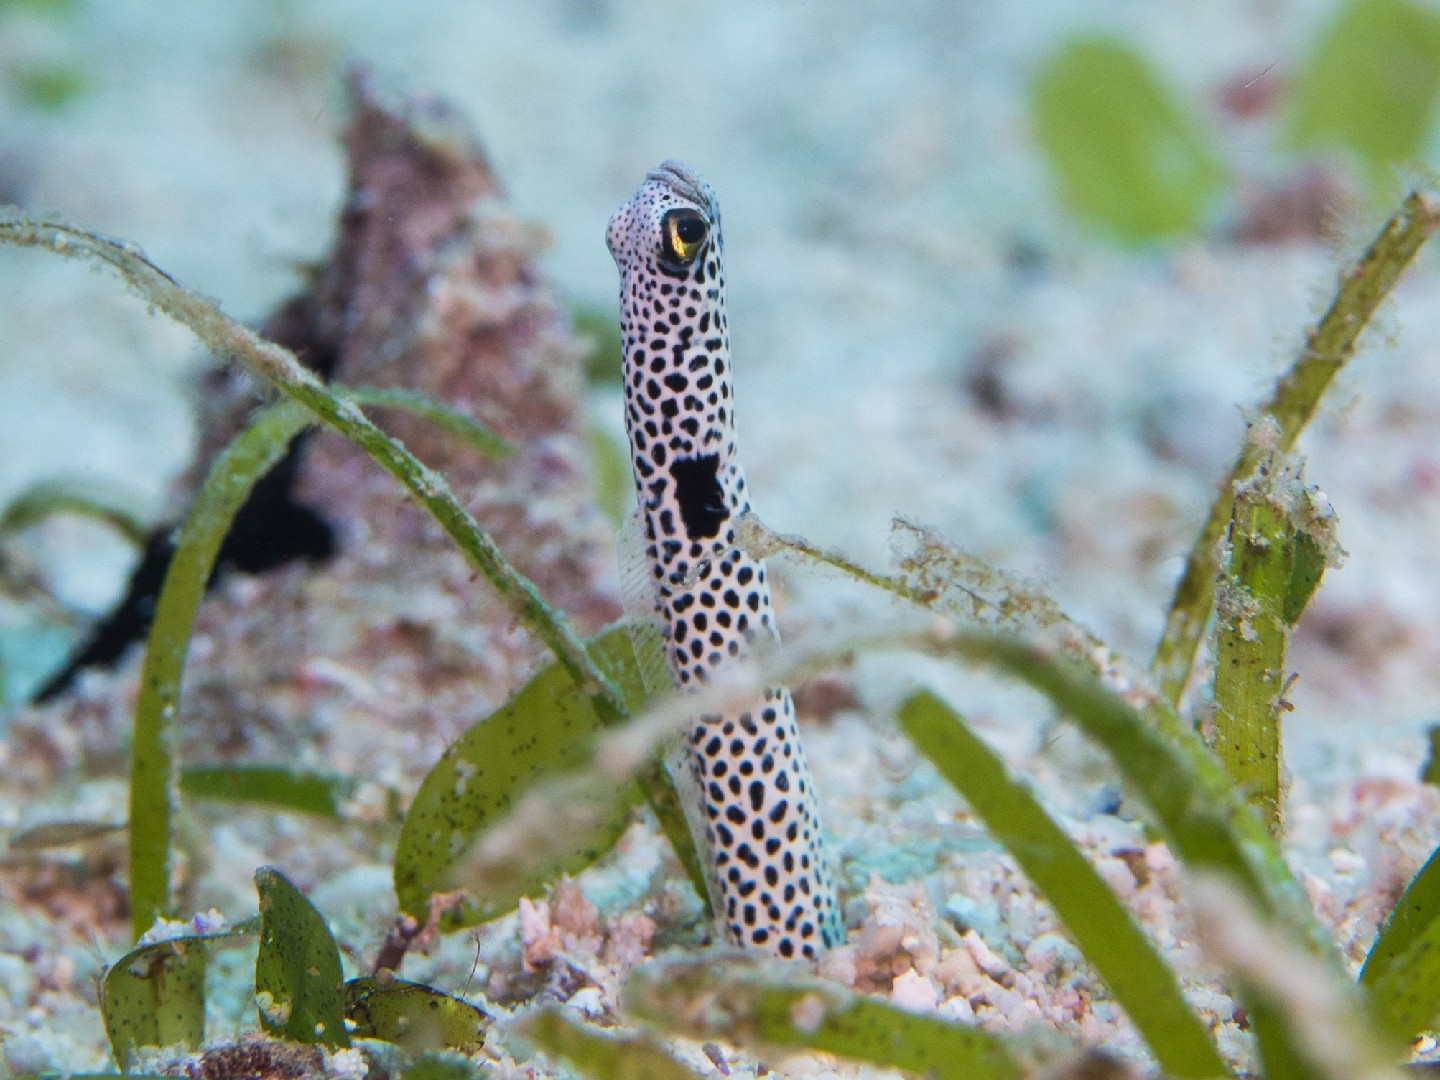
<point>958,1009</point>
<point>808,1014</point>
<point>536,940</point>
<point>984,957</point>
<point>1345,861</point>
<point>347,1065</point>
<point>1012,1005</point>
<point>27,1053</point>
<point>588,1001</point>
<point>1117,875</point>
<point>914,991</point>
<point>209,922</point>
<point>165,930</point>
<point>1049,951</point>
<point>1159,859</point>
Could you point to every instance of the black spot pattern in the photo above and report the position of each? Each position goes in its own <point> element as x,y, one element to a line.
<point>770,880</point>
<point>703,507</point>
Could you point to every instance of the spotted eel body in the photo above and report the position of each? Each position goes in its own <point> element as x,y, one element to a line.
<point>768,876</point>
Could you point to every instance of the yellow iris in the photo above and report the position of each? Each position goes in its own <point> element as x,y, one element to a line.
<point>683,234</point>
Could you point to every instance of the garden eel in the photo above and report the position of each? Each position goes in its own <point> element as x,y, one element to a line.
<point>754,809</point>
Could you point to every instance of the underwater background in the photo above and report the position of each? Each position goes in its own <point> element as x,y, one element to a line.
<point>1016,272</point>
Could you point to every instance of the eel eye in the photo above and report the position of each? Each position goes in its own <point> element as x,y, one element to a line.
<point>682,235</point>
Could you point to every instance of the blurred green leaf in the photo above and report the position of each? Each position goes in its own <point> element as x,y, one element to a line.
<point>442,415</point>
<point>1430,771</point>
<point>73,495</point>
<point>1402,971</point>
<point>48,86</point>
<point>1275,564</point>
<point>1281,1049</point>
<point>1370,84</point>
<point>284,789</point>
<point>1290,405</point>
<point>297,971</point>
<point>755,1002</point>
<point>153,773</point>
<point>1128,157</point>
<point>442,1067</point>
<point>546,729</point>
<point>614,486</point>
<point>1204,818</point>
<point>417,1018</point>
<point>1089,909</point>
<point>1309,567</point>
<point>1309,1020</point>
<point>45,7</point>
<point>55,834</point>
<point>154,995</point>
<point>605,360</point>
<point>598,1054</point>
